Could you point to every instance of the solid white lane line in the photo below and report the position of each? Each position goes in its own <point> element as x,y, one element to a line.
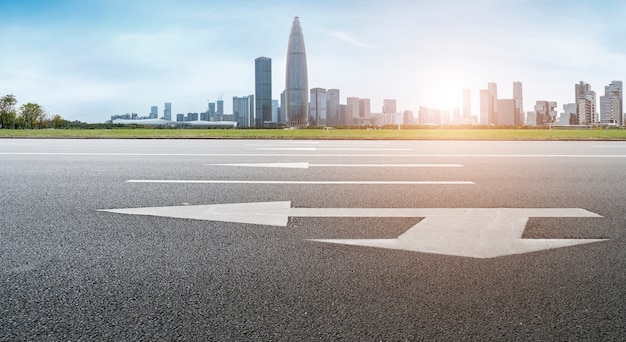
<point>308,165</point>
<point>385,165</point>
<point>329,149</point>
<point>180,181</point>
<point>112,154</point>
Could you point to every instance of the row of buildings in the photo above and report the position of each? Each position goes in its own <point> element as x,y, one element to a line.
<point>510,112</point>
<point>325,109</point>
<point>582,111</point>
<point>300,106</point>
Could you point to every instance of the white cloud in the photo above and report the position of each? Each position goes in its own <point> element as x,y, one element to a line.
<point>348,38</point>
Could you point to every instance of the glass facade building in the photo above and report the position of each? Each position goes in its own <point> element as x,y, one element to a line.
<point>263,90</point>
<point>318,108</point>
<point>167,113</point>
<point>297,86</point>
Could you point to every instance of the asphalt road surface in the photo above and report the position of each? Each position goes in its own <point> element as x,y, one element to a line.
<point>70,270</point>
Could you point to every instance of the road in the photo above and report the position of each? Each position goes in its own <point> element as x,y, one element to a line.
<point>71,270</point>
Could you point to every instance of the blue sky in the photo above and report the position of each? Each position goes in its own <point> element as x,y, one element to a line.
<point>88,60</point>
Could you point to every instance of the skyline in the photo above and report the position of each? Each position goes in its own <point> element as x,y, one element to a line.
<point>88,61</point>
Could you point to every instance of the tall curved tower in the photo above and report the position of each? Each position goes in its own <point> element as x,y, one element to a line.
<point>297,84</point>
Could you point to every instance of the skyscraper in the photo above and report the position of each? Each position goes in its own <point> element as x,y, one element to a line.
<point>492,88</point>
<point>408,118</point>
<point>318,107</point>
<point>467,104</point>
<point>486,107</point>
<point>154,112</point>
<point>212,111</point>
<point>219,113</point>
<point>242,108</point>
<point>332,107</point>
<point>545,112</point>
<point>282,117</point>
<point>275,109</point>
<point>519,104</point>
<point>389,106</point>
<point>296,85</point>
<point>585,104</point>
<point>505,116</point>
<point>611,104</point>
<point>422,115</point>
<point>263,90</point>
<point>352,111</point>
<point>365,112</point>
<point>167,112</point>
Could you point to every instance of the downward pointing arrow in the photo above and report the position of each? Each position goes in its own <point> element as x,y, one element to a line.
<point>468,236</point>
<point>477,233</point>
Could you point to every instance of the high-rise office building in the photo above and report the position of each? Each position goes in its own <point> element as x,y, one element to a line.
<point>282,115</point>
<point>486,107</point>
<point>434,116</point>
<point>317,107</point>
<point>167,112</point>
<point>389,106</point>
<point>192,116</point>
<point>297,86</point>
<point>545,112</point>
<point>505,116</point>
<point>332,108</point>
<point>241,110</point>
<point>467,104</point>
<point>219,112</point>
<point>365,111</point>
<point>519,103</point>
<point>585,104</point>
<point>422,115</point>
<point>456,116</point>
<point>263,90</point>
<point>611,104</point>
<point>408,118</point>
<point>352,111</point>
<point>275,108</point>
<point>211,111</point>
<point>492,88</point>
<point>154,112</point>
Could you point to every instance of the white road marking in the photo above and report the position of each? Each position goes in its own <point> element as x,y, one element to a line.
<point>309,165</point>
<point>122,154</point>
<point>287,148</point>
<point>298,142</point>
<point>270,165</point>
<point>191,181</point>
<point>329,149</point>
<point>467,232</point>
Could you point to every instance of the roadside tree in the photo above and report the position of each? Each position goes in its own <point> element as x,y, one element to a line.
<point>32,115</point>
<point>7,111</point>
<point>57,121</point>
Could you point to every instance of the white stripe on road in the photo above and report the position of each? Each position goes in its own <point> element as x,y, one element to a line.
<point>385,165</point>
<point>180,181</point>
<point>329,149</point>
<point>121,154</point>
<point>308,165</point>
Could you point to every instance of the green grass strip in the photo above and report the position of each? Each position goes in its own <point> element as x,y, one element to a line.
<point>356,134</point>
